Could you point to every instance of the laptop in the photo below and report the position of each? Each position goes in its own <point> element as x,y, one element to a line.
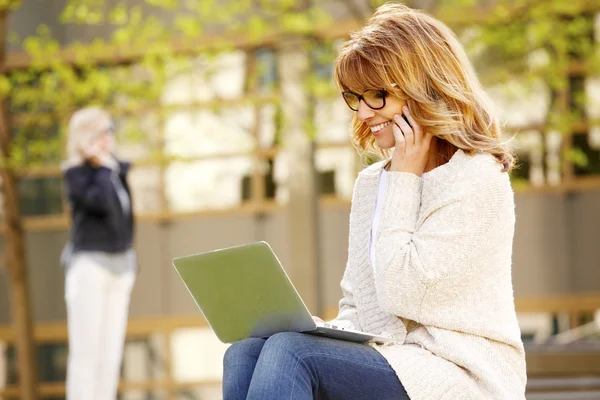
<point>244,292</point>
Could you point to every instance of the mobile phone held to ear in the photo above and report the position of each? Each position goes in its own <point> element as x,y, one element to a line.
<point>90,151</point>
<point>406,119</point>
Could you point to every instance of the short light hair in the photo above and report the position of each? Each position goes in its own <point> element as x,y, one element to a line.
<point>418,59</point>
<point>84,126</point>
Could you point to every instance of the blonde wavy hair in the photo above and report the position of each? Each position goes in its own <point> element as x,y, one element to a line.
<point>431,72</point>
<point>84,126</point>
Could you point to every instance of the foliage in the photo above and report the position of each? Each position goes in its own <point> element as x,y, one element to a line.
<point>529,41</point>
<point>153,41</point>
<point>139,49</point>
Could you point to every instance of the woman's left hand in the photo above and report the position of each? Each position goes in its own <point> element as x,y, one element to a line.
<point>412,145</point>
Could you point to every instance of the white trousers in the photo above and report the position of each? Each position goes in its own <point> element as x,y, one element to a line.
<point>97,307</point>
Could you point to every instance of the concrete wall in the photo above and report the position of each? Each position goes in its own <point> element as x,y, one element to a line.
<point>541,259</point>
<point>584,240</point>
<point>556,251</point>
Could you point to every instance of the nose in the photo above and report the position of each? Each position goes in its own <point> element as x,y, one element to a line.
<point>364,111</point>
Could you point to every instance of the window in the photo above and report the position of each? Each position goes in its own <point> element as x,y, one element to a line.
<point>336,168</point>
<point>530,160</point>
<point>268,181</point>
<point>206,184</point>
<point>51,362</point>
<point>41,196</point>
<point>322,58</point>
<point>588,146</point>
<point>266,65</point>
<point>36,141</point>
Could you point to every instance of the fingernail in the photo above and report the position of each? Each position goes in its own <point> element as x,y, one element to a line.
<point>405,108</point>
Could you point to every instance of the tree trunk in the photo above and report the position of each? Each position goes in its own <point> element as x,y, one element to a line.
<point>15,251</point>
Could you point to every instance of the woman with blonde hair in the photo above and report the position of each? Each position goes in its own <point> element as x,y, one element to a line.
<point>99,259</point>
<point>431,230</point>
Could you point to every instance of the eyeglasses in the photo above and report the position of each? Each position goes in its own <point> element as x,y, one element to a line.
<point>374,99</point>
<point>111,128</point>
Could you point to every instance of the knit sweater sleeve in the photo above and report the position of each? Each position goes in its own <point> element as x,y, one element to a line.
<point>347,317</point>
<point>415,249</point>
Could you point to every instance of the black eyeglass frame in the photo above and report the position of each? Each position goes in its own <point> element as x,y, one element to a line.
<point>384,93</point>
<point>111,128</point>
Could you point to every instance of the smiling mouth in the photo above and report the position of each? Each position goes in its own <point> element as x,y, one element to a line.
<point>379,127</point>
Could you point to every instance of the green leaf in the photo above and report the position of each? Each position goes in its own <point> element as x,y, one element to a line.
<point>577,157</point>
<point>256,27</point>
<point>188,25</point>
<point>119,15</point>
<point>297,23</point>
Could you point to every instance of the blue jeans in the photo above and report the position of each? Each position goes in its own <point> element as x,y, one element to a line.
<point>297,366</point>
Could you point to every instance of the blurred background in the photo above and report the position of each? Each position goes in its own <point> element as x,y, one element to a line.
<point>228,111</point>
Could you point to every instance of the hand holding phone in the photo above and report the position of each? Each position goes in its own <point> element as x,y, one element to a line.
<point>411,150</point>
<point>97,156</point>
<point>405,119</point>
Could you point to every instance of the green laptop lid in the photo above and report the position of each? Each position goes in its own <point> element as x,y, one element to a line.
<point>243,292</point>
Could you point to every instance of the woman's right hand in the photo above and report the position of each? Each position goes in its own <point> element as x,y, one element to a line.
<point>97,157</point>
<point>411,151</point>
<point>92,154</point>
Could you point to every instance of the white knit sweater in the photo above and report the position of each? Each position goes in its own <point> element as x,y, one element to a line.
<point>442,286</point>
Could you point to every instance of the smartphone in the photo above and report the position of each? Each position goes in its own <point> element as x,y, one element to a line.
<point>406,119</point>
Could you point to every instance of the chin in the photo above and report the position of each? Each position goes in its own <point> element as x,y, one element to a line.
<point>385,143</point>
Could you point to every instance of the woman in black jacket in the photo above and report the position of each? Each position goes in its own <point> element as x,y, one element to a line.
<point>101,263</point>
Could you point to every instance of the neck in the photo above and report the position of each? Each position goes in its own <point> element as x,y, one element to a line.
<point>433,161</point>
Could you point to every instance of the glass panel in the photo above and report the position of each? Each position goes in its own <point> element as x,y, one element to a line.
<point>336,168</point>
<point>183,76</point>
<point>584,144</point>
<point>530,166</point>
<point>41,196</point>
<point>266,167</point>
<point>28,92</point>
<point>268,128</point>
<point>197,355</point>
<point>136,84</point>
<point>52,362</point>
<point>137,136</point>
<point>205,132</point>
<point>209,184</point>
<point>37,141</point>
<point>281,177</point>
<point>197,363</point>
<point>592,89</point>
<point>266,68</point>
<point>336,172</point>
<point>323,55</point>
<point>554,140</point>
<point>144,359</point>
<point>145,187</point>
<point>206,78</point>
<point>521,103</point>
<point>332,121</point>
<point>227,75</point>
